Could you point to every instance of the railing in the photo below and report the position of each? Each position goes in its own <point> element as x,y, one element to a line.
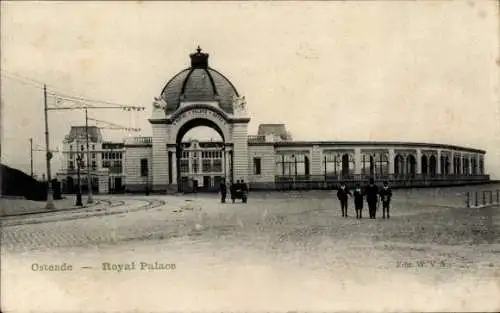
<point>331,181</point>
<point>477,199</point>
<point>256,138</point>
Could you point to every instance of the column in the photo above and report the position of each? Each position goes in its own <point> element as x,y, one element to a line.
<point>392,155</point>
<point>418,169</point>
<point>438,165</point>
<point>174,167</point>
<point>452,163</point>
<point>470,163</point>
<point>227,170</point>
<point>240,151</point>
<point>357,161</point>
<point>404,170</point>
<point>316,166</point>
<point>160,157</point>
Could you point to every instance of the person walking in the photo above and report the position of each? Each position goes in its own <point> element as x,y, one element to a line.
<point>223,191</point>
<point>371,193</point>
<point>358,201</point>
<point>343,195</point>
<point>385,197</point>
<point>244,191</point>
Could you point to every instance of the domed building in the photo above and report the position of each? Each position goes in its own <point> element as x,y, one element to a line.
<point>271,159</point>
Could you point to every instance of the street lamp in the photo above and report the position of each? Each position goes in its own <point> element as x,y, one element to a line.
<point>79,163</point>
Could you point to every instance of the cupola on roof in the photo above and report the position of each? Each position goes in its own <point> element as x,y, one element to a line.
<point>199,82</point>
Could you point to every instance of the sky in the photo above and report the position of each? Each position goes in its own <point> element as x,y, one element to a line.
<point>423,71</point>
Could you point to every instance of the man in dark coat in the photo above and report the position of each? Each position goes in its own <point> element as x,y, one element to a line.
<point>232,190</point>
<point>385,197</point>
<point>244,191</point>
<point>223,191</point>
<point>358,200</point>
<point>371,193</point>
<point>343,195</point>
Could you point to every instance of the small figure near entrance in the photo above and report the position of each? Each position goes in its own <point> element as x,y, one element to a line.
<point>343,195</point>
<point>223,191</point>
<point>371,192</point>
<point>385,197</point>
<point>358,201</point>
<point>244,191</point>
<point>232,190</point>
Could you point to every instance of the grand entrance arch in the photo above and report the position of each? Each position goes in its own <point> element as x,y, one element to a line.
<point>193,163</point>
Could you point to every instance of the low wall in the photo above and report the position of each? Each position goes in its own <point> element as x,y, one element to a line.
<point>395,184</point>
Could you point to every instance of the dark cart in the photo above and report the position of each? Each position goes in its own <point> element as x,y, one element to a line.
<point>239,193</point>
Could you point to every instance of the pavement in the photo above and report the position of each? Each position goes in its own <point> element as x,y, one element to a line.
<point>279,252</point>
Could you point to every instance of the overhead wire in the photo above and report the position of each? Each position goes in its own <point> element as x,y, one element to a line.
<point>60,94</point>
<point>57,96</point>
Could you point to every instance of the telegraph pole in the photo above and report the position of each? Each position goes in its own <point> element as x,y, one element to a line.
<point>89,169</point>
<point>31,156</point>
<point>50,199</point>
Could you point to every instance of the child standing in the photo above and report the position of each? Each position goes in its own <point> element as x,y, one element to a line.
<point>385,197</point>
<point>358,201</point>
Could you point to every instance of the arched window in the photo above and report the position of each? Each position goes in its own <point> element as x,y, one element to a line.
<point>347,165</point>
<point>367,165</point>
<point>410,165</point>
<point>432,165</point>
<point>445,165</point>
<point>424,165</point>
<point>399,169</point>
<point>331,164</point>
<point>457,169</point>
<point>382,164</point>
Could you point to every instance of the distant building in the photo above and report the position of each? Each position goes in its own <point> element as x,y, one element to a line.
<point>202,96</point>
<point>106,161</point>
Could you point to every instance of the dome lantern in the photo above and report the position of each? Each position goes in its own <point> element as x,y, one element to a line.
<point>199,59</point>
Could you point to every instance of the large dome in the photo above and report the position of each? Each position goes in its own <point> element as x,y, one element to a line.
<point>199,83</point>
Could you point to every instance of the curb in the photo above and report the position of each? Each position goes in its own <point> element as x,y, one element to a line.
<point>43,211</point>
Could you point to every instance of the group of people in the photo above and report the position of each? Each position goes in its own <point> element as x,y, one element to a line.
<point>372,193</point>
<point>237,190</point>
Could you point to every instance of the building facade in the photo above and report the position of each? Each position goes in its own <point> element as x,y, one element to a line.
<point>201,96</point>
<point>106,161</point>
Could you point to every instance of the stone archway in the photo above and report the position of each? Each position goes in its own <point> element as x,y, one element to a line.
<point>229,162</point>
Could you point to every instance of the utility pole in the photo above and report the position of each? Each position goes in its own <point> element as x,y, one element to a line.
<point>50,199</point>
<point>31,156</point>
<point>89,169</point>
